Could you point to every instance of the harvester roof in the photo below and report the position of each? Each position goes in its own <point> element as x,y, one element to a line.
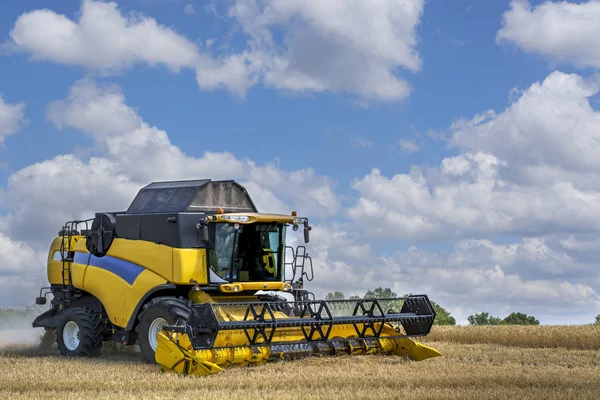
<point>202,195</point>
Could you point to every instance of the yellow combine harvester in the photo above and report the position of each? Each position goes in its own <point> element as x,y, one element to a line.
<point>193,274</point>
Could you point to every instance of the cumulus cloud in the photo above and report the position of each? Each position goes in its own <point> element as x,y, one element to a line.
<point>23,272</point>
<point>106,40</point>
<point>134,154</point>
<point>523,172</point>
<point>12,117</point>
<point>327,46</point>
<point>102,38</point>
<point>324,46</point>
<point>43,196</point>
<point>528,173</point>
<point>551,124</point>
<point>528,276</point>
<point>563,31</point>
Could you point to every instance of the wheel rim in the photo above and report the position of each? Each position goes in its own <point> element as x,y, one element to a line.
<point>155,327</point>
<point>71,337</point>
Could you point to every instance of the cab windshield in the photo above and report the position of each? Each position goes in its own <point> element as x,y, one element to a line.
<point>253,253</point>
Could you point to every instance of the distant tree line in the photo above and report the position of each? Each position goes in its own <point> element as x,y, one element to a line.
<point>442,317</point>
<point>514,318</point>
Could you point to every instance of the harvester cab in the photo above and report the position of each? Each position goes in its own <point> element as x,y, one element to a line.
<point>200,280</point>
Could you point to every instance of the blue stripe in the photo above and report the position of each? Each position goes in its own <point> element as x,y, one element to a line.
<point>124,269</point>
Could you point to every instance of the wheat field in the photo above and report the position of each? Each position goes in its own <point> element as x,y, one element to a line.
<point>500,362</point>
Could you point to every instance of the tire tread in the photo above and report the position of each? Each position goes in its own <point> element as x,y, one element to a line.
<point>178,307</point>
<point>90,330</point>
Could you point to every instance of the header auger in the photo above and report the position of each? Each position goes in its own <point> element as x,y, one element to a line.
<point>192,273</point>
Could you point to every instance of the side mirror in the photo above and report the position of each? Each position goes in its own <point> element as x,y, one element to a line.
<point>202,226</point>
<point>307,228</point>
<point>40,300</point>
<point>204,234</point>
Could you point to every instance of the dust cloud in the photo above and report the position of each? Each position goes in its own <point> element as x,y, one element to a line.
<point>10,336</point>
<point>17,334</point>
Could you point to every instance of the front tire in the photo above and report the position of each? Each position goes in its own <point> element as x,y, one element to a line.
<point>158,312</point>
<point>79,333</point>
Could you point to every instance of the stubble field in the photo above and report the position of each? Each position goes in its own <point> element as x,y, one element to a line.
<point>500,362</point>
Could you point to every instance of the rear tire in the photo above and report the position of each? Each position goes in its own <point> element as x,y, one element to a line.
<point>156,313</point>
<point>79,333</point>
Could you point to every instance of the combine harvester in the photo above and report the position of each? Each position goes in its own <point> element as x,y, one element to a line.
<point>193,274</point>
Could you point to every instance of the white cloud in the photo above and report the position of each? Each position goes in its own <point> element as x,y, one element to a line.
<point>43,196</point>
<point>36,194</point>
<point>133,154</point>
<point>408,146</point>
<point>102,39</point>
<point>325,46</point>
<point>105,40</point>
<point>329,47</point>
<point>530,276</point>
<point>552,124</point>
<point>12,117</point>
<point>563,31</point>
<point>523,172</point>
<point>22,272</point>
<point>528,171</point>
<point>94,111</point>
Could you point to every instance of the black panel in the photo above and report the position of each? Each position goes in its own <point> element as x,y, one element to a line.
<point>129,226</point>
<point>171,229</point>
<point>167,212</point>
<point>158,228</point>
<point>187,230</point>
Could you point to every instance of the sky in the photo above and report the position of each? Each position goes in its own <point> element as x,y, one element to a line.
<point>446,148</point>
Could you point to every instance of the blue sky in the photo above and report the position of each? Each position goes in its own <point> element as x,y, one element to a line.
<point>463,72</point>
<point>342,135</point>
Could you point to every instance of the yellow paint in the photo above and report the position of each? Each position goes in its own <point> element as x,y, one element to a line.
<point>190,264</point>
<point>118,297</point>
<point>55,265</point>
<point>173,357</point>
<point>144,282</point>
<point>157,258</point>
<point>200,296</point>
<point>110,290</point>
<point>54,268</point>
<point>269,261</point>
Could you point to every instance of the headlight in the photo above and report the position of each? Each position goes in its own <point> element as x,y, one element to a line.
<point>236,218</point>
<point>297,220</point>
<point>236,288</point>
<point>286,287</point>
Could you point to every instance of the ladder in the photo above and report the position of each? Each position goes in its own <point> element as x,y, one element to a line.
<point>67,256</point>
